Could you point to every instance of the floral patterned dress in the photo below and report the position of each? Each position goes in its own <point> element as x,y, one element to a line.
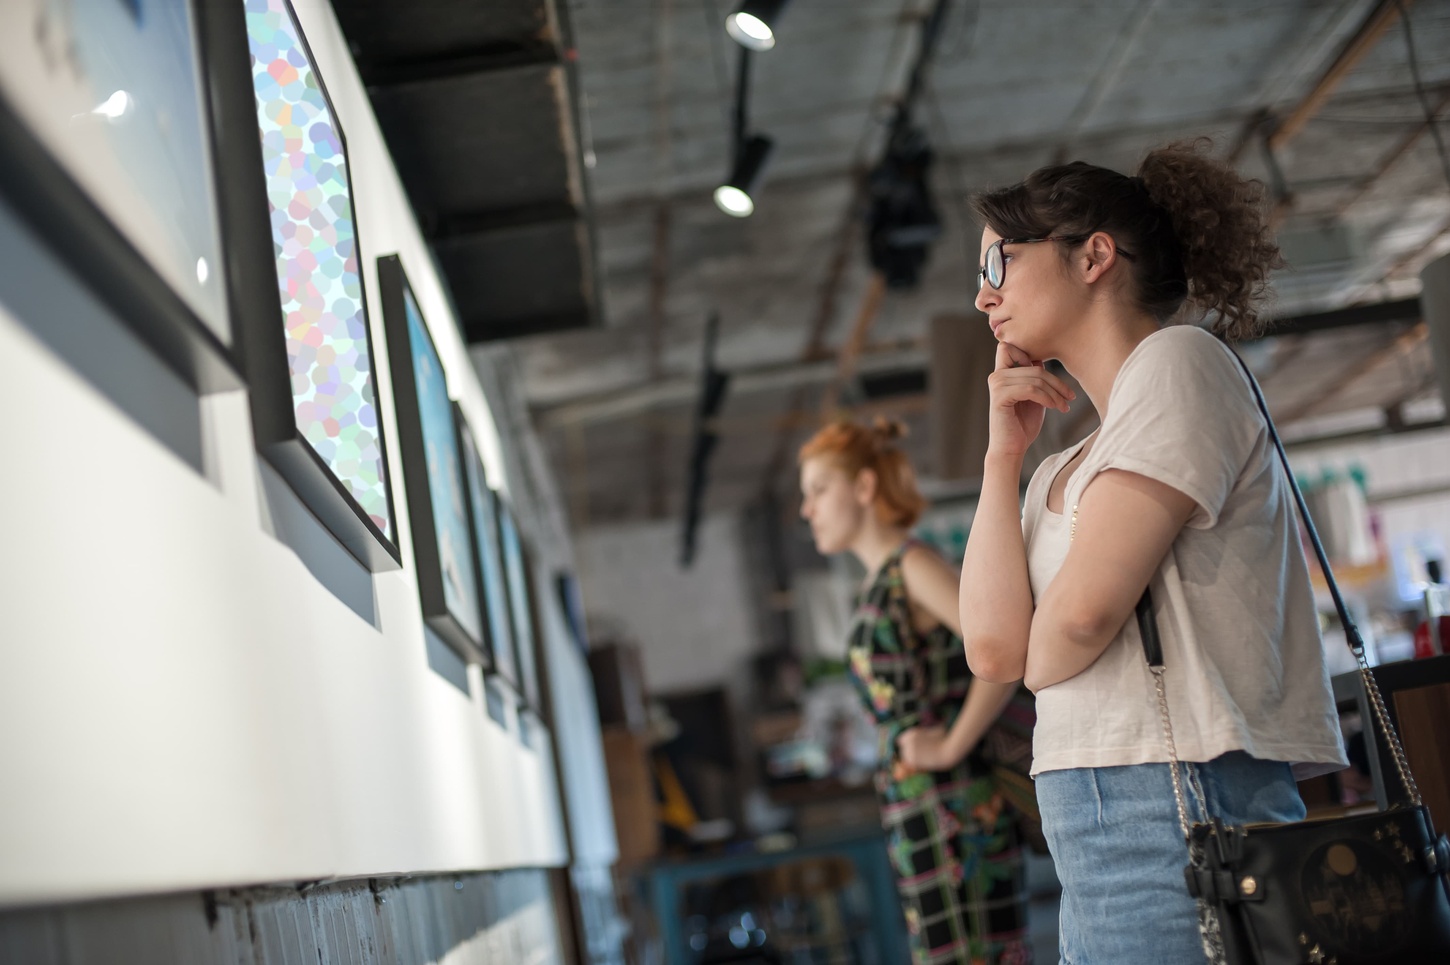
<point>952,840</point>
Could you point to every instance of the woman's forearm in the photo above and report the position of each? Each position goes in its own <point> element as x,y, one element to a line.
<point>996,595</point>
<point>985,701</point>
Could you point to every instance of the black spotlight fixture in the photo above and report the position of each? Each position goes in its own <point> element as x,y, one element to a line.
<point>752,26</point>
<point>902,222</point>
<point>749,154</point>
<point>734,196</point>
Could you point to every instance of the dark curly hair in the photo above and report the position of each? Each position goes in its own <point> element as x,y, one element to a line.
<point>1192,228</point>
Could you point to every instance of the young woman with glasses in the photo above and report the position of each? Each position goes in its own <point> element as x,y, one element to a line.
<point>1177,489</point>
<point>950,837</point>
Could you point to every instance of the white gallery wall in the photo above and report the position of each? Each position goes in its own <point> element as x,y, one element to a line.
<point>183,704</point>
<point>694,627</point>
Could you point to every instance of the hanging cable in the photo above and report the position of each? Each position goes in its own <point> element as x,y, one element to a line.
<point>1430,120</point>
<point>717,58</point>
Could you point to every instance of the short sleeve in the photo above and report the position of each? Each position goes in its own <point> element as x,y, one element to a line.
<point>1182,413</point>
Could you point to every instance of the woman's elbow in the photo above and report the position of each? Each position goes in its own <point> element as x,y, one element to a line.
<point>993,661</point>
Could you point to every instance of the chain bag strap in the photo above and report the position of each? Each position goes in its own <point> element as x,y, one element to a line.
<point>1358,890</point>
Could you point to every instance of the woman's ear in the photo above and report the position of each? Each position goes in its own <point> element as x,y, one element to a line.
<point>865,487</point>
<point>1100,252</point>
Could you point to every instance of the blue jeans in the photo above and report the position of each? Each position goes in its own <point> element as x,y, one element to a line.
<point>1114,836</point>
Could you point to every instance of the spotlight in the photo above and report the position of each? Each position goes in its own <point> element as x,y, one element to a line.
<point>902,221</point>
<point>753,25</point>
<point>733,197</point>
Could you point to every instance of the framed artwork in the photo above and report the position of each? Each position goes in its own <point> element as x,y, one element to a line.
<point>106,149</point>
<point>516,565</point>
<point>500,602</point>
<point>571,605</point>
<point>298,299</point>
<point>433,469</point>
<point>487,562</point>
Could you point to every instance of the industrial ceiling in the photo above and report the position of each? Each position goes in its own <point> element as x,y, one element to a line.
<point>1316,97</point>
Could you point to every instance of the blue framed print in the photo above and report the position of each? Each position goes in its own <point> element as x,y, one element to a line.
<point>500,604</point>
<point>520,591</point>
<point>433,469</point>
<point>488,564</point>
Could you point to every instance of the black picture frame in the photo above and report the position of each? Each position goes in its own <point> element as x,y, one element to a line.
<point>487,566</point>
<point>571,607</point>
<point>69,220</point>
<point>518,566</point>
<point>505,651</point>
<point>259,324</point>
<point>434,472</point>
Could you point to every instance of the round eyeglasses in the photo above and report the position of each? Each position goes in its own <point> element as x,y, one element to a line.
<point>994,272</point>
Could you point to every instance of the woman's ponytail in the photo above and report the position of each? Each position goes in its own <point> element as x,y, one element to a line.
<point>1225,242</point>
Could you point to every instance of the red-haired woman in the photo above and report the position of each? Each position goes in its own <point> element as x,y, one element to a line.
<point>952,843</point>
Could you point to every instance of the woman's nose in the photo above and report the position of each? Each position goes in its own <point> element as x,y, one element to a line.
<point>987,298</point>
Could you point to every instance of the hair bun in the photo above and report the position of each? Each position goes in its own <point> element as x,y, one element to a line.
<point>888,429</point>
<point>1226,242</point>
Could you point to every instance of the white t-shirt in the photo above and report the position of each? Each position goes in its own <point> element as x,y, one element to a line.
<point>1235,611</point>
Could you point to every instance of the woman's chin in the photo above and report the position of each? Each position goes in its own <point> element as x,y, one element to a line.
<point>827,547</point>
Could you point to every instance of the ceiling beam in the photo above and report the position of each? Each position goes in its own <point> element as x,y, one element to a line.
<point>1105,79</point>
<point>1380,19</point>
<point>1282,132</point>
<point>623,403</point>
<point>1363,435</point>
<point>819,368</point>
<point>1356,371</point>
<point>1382,313</point>
<point>850,354</point>
<point>1393,156</point>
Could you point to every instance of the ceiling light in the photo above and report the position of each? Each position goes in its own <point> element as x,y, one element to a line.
<point>734,196</point>
<point>753,25</point>
<point>733,201</point>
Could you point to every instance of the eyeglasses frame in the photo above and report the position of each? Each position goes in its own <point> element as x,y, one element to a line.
<point>983,280</point>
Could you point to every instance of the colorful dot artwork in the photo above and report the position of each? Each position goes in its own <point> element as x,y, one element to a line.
<point>315,243</point>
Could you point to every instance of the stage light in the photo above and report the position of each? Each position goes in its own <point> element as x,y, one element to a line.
<point>753,25</point>
<point>734,196</point>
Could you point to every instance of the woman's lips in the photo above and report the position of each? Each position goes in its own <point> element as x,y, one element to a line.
<point>996,323</point>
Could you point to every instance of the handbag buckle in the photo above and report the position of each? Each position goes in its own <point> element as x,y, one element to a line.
<point>1436,858</point>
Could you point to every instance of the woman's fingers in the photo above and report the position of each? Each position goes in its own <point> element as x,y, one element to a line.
<point>1011,357</point>
<point>1013,364</point>
<point>1032,384</point>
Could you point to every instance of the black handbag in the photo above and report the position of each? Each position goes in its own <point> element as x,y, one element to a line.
<point>1373,889</point>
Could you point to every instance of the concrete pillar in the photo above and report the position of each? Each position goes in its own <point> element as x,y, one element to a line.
<point>963,354</point>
